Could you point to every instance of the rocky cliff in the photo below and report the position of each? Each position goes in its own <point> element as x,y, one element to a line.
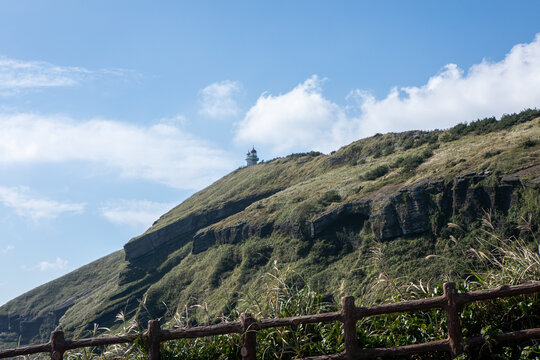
<point>183,229</point>
<point>317,215</point>
<point>416,209</point>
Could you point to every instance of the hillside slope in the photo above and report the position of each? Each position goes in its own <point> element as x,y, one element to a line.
<point>320,216</point>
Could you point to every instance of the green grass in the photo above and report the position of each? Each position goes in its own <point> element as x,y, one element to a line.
<point>509,261</point>
<point>310,184</point>
<point>90,283</point>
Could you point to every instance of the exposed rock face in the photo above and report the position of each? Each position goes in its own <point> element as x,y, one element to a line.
<point>4,322</point>
<point>420,208</point>
<point>425,206</point>
<point>353,211</point>
<point>229,235</point>
<point>30,329</point>
<point>36,328</point>
<point>407,211</point>
<point>178,230</point>
<point>356,211</point>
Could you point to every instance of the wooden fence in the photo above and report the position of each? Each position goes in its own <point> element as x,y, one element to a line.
<point>248,326</point>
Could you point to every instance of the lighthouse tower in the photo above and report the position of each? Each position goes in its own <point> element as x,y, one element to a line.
<point>251,157</point>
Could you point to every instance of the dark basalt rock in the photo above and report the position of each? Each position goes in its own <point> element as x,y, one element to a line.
<point>404,213</point>
<point>32,328</point>
<point>178,230</point>
<point>412,210</point>
<point>423,207</point>
<point>420,208</point>
<point>4,323</point>
<point>357,211</point>
<point>229,235</point>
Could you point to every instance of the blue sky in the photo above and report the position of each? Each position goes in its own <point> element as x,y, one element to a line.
<point>112,112</point>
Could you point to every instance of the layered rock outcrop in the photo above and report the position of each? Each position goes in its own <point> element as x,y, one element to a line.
<point>429,205</point>
<point>424,207</point>
<point>183,230</point>
<point>229,235</point>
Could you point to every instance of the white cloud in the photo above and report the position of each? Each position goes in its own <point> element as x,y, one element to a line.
<point>26,205</point>
<point>303,119</point>
<point>160,153</point>
<point>16,75</point>
<point>8,249</point>
<point>453,96</point>
<point>59,264</point>
<point>218,99</point>
<point>296,121</point>
<point>135,212</point>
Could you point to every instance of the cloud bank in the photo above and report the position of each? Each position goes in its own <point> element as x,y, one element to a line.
<point>16,75</point>
<point>8,249</point>
<point>135,212</point>
<point>26,205</point>
<point>303,119</point>
<point>58,264</point>
<point>295,121</point>
<point>160,153</point>
<point>218,99</point>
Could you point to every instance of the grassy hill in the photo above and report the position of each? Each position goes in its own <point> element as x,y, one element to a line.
<point>380,205</point>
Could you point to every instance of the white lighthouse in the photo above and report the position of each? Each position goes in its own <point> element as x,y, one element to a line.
<point>251,157</point>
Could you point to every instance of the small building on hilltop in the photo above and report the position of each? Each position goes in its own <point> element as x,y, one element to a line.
<point>251,157</point>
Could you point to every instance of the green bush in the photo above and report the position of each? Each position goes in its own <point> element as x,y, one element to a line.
<point>492,153</point>
<point>311,154</point>
<point>488,125</point>
<point>226,262</point>
<point>376,173</point>
<point>408,144</point>
<point>329,197</point>
<point>411,162</point>
<point>503,256</point>
<point>529,143</point>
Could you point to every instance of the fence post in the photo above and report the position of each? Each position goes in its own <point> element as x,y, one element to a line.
<point>249,336</point>
<point>452,320</point>
<point>57,345</point>
<point>349,326</point>
<point>154,335</point>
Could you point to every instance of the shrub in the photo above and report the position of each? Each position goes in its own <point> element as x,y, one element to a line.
<point>529,143</point>
<point>329,197</point>
<point>306,209</point>
<point>492,153</point>
<point>388,150</point>
<point>411,162</point>
<point>431,138</point>
<point>490,124</point>
<point>506,261</point>
<point>311,154</point>
<point>408,144</point>
<point>376,173</point>
<point>482,126</point>
<point>226,262</point>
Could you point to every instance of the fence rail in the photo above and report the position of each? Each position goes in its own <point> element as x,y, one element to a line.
<point>349,315</point>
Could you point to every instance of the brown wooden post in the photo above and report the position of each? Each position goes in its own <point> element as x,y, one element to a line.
<point>154,334</point>
<point>249,336</point>
<point>452,320</point>
<point>349,326</point>
<point>57,345</point>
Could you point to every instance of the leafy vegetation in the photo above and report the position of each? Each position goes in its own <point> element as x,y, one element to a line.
<point>347,259</point>
<point>509,261</point>
<point>490,124</point>
<point>376,172</point>
<point>504,250</point>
